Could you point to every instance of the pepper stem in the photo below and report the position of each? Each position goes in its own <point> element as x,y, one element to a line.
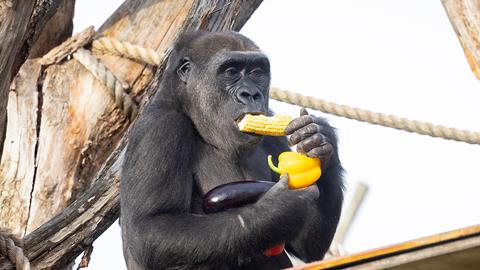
<point>272,167</point>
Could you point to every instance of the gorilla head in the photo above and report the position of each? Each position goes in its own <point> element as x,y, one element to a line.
<point>220,77</point>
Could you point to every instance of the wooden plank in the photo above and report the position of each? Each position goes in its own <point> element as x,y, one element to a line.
<point>375,254</point>
<point>463,254</point>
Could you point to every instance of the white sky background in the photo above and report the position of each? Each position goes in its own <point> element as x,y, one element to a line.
<point>397,57</point>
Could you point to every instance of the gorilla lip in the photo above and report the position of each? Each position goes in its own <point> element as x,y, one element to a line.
<point>239,119</point>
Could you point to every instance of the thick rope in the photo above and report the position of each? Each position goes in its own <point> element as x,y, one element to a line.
<point>390,121</point>
<point>14,253</point>
<point>126,49</point>
<point>122,100</point>
<point>139,53</point>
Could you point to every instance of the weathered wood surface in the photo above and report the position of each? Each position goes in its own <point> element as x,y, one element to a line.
<point>59,53</point>
<point>458,248</point>
<point>77,127</point>
<point>79,124</point>
<point>57,29</point>
<point>63,238</point>
<point>21,21</point>
<point>457,255</point>
<point>17,165</point>
<point>465,18</point>
<point>26,203</point>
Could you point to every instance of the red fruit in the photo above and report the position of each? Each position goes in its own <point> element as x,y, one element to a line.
<point>274,251</point>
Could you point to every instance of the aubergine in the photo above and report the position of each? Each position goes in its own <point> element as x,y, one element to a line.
<point>235,194</point>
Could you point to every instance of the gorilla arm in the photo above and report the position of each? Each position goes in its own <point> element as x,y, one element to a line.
<point>316,138</point>
<point>323,215</point>
<point>156,191</point>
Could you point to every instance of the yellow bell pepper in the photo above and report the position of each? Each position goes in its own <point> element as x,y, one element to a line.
<point>302,171</point>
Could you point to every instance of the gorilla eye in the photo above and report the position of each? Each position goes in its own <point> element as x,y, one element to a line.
<point>184,70</point>
<point>231,71</point>
<point>258,75</point>
<point>257,72</point>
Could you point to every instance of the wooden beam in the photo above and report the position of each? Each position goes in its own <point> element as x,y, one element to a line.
<point>462,254</point>
<point>387,253</point>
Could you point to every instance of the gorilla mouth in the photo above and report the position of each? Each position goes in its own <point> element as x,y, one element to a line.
<point>240,118</point>
<point>239,124</point>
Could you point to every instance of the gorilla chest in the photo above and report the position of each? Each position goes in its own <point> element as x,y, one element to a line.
<point>212,170</point>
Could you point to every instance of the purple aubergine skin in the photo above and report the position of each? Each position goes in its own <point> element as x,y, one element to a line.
<point>234,194</point>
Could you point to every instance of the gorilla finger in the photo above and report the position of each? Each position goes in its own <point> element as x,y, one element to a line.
<point>298,123</point>
<point>283,182</point>
<point>316,140</point>
<point>303,133</point>
<point>280,186</point>
<point>303,111</point>
<point>324,151</point>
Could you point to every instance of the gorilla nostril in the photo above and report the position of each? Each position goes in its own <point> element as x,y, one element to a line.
<point>245,95</point>
<point>257,96</point>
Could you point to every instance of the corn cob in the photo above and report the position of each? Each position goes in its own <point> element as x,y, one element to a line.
<point>264,125</point>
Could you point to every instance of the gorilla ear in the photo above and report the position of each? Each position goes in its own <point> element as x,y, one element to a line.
<point>183,70</point>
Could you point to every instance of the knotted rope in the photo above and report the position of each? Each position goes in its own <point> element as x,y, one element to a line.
<point>385,120</point>
<point>13,252</point>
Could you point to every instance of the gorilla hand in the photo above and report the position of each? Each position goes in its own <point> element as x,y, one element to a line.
<point>287,208</point>
<point>308,133</point>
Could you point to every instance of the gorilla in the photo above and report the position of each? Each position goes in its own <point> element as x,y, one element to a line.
<point>186,143</point>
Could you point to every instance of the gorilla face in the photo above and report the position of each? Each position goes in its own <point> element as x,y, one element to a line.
<point>227,79</point>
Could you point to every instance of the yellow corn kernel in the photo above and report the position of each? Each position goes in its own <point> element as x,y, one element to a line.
<point>264,125</point>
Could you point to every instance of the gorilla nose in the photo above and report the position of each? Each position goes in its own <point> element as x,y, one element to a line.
<point>248,95</point>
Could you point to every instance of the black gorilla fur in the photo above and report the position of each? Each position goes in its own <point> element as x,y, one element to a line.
<point>186,143</point>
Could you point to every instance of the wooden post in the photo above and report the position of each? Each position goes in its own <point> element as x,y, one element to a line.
<point>349,214</point>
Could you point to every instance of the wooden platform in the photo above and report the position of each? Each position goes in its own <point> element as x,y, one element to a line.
<point>456,250</point>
